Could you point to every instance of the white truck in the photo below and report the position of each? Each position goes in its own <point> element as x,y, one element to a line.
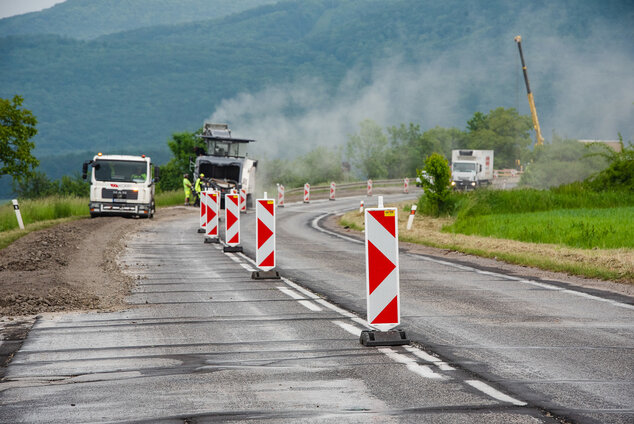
<point>121,185</point>
<point>471,168</point>
<point>224,166</point>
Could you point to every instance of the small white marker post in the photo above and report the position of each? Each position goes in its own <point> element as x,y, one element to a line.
<point>380,204</point>
<point>410,220</point>
<point>361,207</point>
<point>18,214</point>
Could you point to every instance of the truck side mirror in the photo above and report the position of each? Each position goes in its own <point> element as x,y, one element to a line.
<point>156,173</point>
<point>480,168</point>
<point>84,170</point>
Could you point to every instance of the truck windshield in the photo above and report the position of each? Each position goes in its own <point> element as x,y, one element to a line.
<point>120,170</point>
<point>464,166</point>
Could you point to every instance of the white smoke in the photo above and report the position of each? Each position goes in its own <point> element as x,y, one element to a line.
<point>590,94</point>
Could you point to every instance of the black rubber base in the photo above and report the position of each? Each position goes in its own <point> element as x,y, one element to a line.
<point>233,249</point>
<point>201,230</point>
<point>265,275</point>
<point>211,240</point>
<point>330,199</point>
<point>383,338</point>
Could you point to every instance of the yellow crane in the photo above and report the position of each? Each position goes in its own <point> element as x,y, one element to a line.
<point>531,101</point>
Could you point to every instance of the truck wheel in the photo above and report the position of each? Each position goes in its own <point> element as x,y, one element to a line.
<point>93,215</point>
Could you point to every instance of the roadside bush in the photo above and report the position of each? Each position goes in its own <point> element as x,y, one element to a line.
<point>438,199</point>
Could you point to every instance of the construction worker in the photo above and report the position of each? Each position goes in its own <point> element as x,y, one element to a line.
<point>187,186</point>
<point>197,189</point>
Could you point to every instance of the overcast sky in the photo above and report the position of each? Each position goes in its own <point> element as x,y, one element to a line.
<point>18,7</point>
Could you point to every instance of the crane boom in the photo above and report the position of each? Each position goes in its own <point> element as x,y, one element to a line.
<point>531,101</point>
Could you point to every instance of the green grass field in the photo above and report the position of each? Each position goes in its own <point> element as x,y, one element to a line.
<point>608,228</point>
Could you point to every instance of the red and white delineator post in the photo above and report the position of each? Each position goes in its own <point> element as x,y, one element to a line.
<point>382,278</point>
<point>306,193</point>
<point>369,187</point>
<point>213,206</point>
<point>243,200</point>
<point>361,207</point>
<point>406,185</point>
<point>410,220</point>
<point>203,211</point>
<point>333,188</point>
<point>265,239</point>
<point>280,196</point>
<point>232,223</point>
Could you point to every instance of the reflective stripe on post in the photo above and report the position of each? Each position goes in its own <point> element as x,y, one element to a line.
<point>265,234</point>
<point>410,220</point>
<point>203,209</point>
<point>369,187</point>
<point>306,193</point>
<point>232,219</point>
<point>333,188</point>
<point>382,269</point>
<point>18,214</point>
<point>243,200</point>
<point>406,185</point>
<point>212,213</point>
<point>280,195</point>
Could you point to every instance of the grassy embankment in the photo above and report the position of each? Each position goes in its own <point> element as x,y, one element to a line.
<point>567,230</point>
<point>43,213</point>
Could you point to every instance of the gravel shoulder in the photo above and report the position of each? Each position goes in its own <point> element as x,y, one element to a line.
<point>68,267</point>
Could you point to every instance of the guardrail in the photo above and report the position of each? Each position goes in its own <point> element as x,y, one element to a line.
<point>356,184</point>
<point>506,173</point>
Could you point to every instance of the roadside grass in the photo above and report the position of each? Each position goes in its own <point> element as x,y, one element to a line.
<point>607,264</point>
<point>571,196</point>
<point>609,228</point>
<point>46,209</point>
<point>39,214</point>
<point>169,198</point>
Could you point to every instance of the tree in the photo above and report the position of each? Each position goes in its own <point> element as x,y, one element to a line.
<point>183,146</point>
<point>504,131</point>
<point>368,150</point>
<point>619,175</point>
<point>17,127</point>
<point>436,184</point>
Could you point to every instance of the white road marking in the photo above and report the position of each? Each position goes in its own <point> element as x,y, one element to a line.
<point>233,257</point>
<point>247,267</point>
<point>495,394</point>
<point>310,305</point>
<point>355,331</point>
<point>412,365</point>
<point>300,289</point>
<point>301,299</point>
<point>429,358</point>
<point>336,308</point>
<point>290,293</point>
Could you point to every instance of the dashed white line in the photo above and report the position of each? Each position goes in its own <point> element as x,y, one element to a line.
<point>247,267</point>
<point>310,305</point>
<point>412,365</point>
<point>429,358</point>
<point>494,393</point>
<point>233,257</point>
<point>355,331</point>
<point>291,293</point>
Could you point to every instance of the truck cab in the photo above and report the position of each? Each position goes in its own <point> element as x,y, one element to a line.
<point>121,185</point>
<point>471,168</point>
<point>225,164</point>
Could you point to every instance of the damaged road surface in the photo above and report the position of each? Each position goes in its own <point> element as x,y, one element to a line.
<point>206,343</point>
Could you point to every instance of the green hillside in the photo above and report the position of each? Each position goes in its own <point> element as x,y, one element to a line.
<point>128,91</point>
<point>90,19</point>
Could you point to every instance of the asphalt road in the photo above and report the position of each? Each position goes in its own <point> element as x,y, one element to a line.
<point>207,343</point>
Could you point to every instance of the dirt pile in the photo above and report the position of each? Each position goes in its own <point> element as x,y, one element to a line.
<point>71,266</point>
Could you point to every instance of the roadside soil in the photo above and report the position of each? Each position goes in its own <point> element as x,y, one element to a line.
<point>71,266</point>
<point>68,267</point>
